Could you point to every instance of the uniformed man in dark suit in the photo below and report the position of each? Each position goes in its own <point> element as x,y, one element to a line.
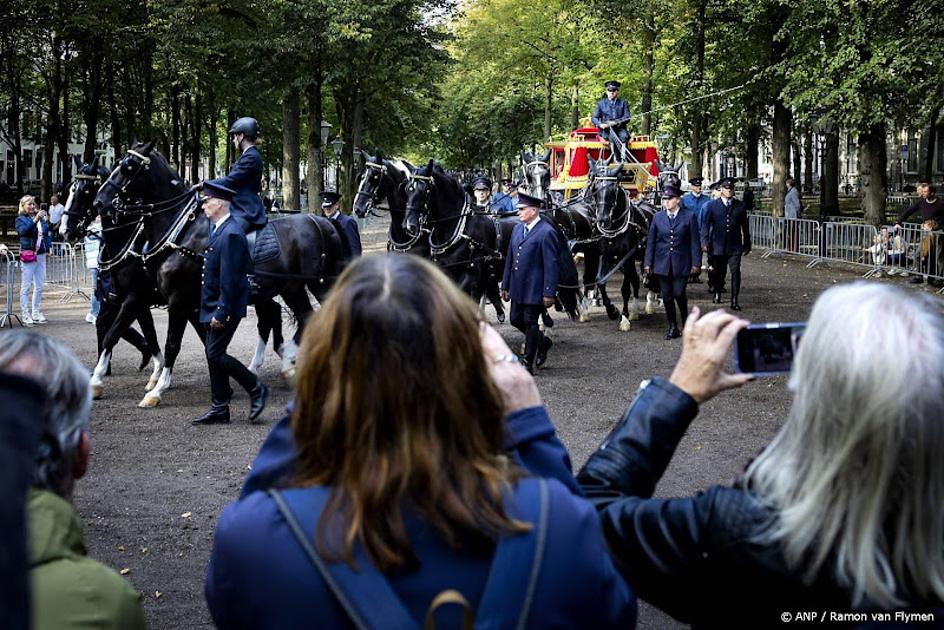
<point>331,206</point>
<point>245,178</point>
<point>610,117</point>
<point>223,301</point>
<point>504,203</point>
<point>530,278</point>
<point>673,253</point>
<point>725,237</point>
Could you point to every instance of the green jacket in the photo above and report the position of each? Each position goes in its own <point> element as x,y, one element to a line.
<point>69,589</point>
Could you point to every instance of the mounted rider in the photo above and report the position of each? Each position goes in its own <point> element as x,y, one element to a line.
<point>245,177</point>
<point>610,117</point>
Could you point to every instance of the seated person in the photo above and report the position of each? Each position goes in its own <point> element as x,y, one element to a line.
<point>610,117</point>
<point>69,589</point>
<point>841,511</point>
<point>407,468</point>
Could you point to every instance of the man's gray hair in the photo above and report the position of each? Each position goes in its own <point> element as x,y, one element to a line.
<point>67,404</point>
<point>855,477</point>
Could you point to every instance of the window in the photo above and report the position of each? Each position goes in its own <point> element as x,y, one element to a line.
<point>912,159</point>
<point>28,163</point>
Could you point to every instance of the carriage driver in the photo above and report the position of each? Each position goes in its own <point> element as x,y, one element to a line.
<point>610,117</point>
<point>224,295</point>
<point>245,177</point>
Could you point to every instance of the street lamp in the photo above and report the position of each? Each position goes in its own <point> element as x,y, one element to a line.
<point>338,145</point>
<point>325,132</point>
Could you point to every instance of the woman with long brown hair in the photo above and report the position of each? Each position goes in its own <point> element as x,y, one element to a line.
<point>408,487</point>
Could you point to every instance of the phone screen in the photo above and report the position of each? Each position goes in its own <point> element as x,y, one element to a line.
<point>767,348</point>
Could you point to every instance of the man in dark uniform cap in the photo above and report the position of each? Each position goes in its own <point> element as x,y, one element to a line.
<point>505,202</point>
<point>245,177</point>
<point>530,278</point>
<point>223,301</point>
<point>610,117</point>
<point>695,201</point>
<point>673,254</point>
<point>331,206</point>
<point>725,237</point>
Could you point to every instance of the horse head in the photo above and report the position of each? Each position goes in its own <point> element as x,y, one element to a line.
<point>537,173</point>
<point>78,209</point>
<point>418,190</point>
<point>669,175</point>
<point>604,190</point>
<point>371,188</point>
<point>126,181</point>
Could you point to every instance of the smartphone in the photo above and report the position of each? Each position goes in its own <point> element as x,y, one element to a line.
<point>767,349</point>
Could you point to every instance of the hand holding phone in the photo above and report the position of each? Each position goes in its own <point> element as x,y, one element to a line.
<point>767,349</point>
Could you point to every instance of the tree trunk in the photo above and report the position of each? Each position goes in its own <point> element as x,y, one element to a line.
<point>114,115</point>
<point>291,119</point>
<point>175,126</point>
<point>230,119</point>
<point>808,162</point>
<point>782,124</point>
<point>751,149</point>
<point>797,171</point>
<point>315,148</point>
<point>829,178</point>
<point>196,127</point>
<point>14,136</point>
<point>65,133</point>
<point>699,117</point>
<point>649,68</point>
<point>575,107</point>
<point>873,162</point>
<point>929,145</point>
<point>93,97</point>
<point>52,123</point>
<point>214,137</point>
<point>548,102</point>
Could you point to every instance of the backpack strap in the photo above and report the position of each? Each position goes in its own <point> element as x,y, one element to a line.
<point>366,595</point>
<point>513,578</point>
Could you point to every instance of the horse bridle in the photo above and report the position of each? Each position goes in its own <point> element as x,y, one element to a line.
<point>371,166</point>
<point>604,231</point>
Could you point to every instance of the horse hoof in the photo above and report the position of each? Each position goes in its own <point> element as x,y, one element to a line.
<point>634,316</point>
<point>149,402</point>
<point>97,391</point>
<point>649,309</point>
<point>612,312</point>
<point>584,317</point>
<point>151,384</point>
<point>625,325</point>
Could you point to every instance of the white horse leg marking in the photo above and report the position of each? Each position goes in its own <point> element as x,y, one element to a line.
<point>153,397</point>
<point>259,357</point>
<point>634,310</point>
<point>584,309</point>
<point>289,354</point>
<point>650,303</point>
<point>625,324</point>
<point>97,383</point>
<point>158,360</point>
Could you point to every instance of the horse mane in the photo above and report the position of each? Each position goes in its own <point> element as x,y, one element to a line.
<point>158,158</point>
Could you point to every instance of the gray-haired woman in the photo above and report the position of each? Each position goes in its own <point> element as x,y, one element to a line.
<point>843,512</point>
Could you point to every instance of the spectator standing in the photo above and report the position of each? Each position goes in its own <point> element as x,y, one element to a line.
<point>55,216</point>
<point>530,277</point>
<point>93,240</point>
<point>792,209</point>
<point>930,207</point>
<point>32,226</point>
<point>405,467</point>
<point>841,511</point>
<point>69,589</point>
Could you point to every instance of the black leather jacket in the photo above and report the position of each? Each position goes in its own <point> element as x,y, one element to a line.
<point>693,557</point>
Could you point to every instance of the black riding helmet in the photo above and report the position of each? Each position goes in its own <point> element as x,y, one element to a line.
<point>247,125</point>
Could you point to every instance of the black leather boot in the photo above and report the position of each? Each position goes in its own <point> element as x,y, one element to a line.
<point>218,414</point>
<point>258,398</point>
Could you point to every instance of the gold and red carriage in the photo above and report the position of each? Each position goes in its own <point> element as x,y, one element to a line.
<point>570,162</point>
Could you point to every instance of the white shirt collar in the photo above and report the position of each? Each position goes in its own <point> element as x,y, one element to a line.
<point>335,215</point>
<point>217,224</point>
<point>528,226</point>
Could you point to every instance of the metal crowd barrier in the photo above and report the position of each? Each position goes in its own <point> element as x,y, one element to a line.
<point>911,250</point>
<point>65,272</point>
<point>9,285</point>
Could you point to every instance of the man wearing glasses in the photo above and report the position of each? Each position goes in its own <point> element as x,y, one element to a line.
<point>610,117</point>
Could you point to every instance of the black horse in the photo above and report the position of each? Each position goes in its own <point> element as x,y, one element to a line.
<point>537,174</point>
<point>622,227</point>
<point>385,181</point>
<point>132,289</point>
<point>469,246</point>
<point>292,255</point>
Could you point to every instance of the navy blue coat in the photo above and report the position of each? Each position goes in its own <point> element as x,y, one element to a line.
<point>225,291</point>
<point>726,231</point>
<point>348,225</point>
<point>532,266</point>
<point>258,577</point>
<point>607,110</point>
<point>28,232</point>
<point>503,203</point>
<point>245,178</point>
<point>696,205</point>
<point>673,247</point>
